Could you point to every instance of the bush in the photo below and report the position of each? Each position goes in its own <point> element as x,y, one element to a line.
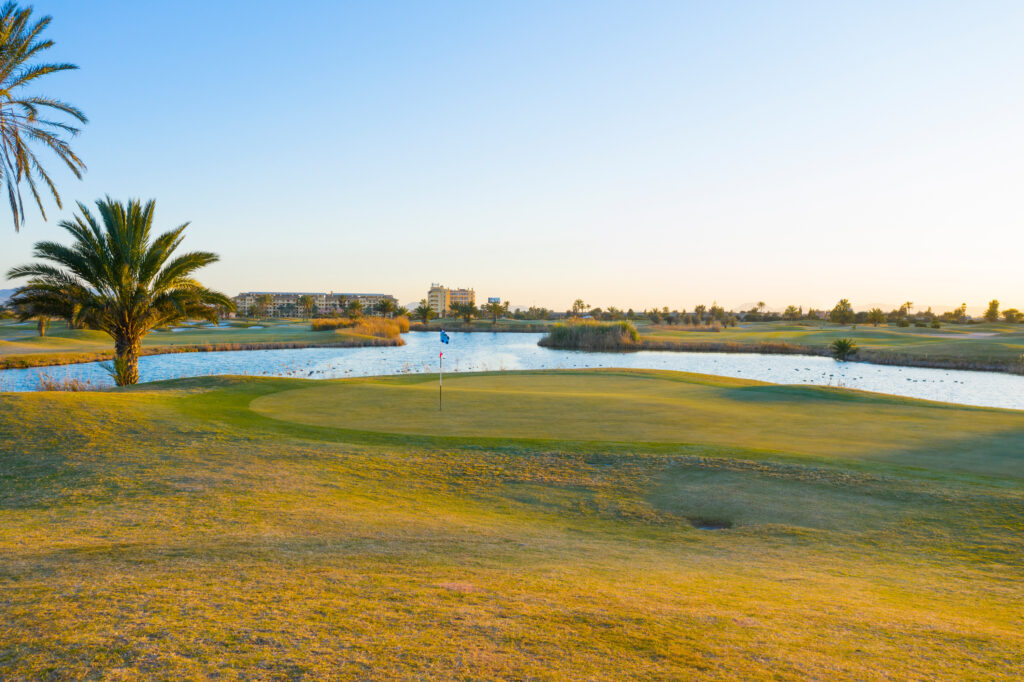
<point>842,349</point>
<point>902,322</point>
<point>592,336</point>
<point>936,324</point>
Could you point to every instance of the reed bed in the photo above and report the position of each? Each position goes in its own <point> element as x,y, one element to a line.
<point>372,326</point>
<point>379,327</point>
<point>69,384</point>
<point>597,336</point>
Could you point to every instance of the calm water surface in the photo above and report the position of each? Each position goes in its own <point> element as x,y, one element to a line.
<point>480,351</point>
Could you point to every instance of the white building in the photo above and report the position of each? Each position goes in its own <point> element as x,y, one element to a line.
<point>288,303</point>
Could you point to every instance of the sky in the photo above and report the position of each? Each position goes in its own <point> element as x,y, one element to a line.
<point>632,154</point>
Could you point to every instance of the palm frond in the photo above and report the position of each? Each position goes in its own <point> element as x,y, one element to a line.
<point>21,123</point>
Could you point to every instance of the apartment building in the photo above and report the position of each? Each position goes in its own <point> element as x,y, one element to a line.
<point>288,303</point>
<point>440,298</point>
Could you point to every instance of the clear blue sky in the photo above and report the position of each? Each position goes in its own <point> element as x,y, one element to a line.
<point>630,153</point>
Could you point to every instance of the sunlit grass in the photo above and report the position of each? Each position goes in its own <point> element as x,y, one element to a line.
<point>174,531</point>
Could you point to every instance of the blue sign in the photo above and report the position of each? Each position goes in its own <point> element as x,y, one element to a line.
<point>444,337</point>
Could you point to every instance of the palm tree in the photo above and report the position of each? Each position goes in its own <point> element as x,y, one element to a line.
<point>842,349</point>
<point>263,302</point>
<point>354,308</point>
<point>307,304</point>
<point>32,118</point>
<point>467,311</point>
<point>385,307</point>
<point>496,309</point>
<point>424,311</point>
<point>121,281</point>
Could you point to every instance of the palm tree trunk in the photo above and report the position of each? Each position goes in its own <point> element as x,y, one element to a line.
<point>126,363</point>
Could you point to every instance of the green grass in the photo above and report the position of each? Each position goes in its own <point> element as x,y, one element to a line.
<point>541,527</point>
<point>996,346</point>
<point>21,346</point>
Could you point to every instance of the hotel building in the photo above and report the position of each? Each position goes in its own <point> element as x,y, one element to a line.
<point>287,303</point>
<point>440,298</point>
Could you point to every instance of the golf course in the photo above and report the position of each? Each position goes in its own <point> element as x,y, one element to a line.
<point>551,524</point>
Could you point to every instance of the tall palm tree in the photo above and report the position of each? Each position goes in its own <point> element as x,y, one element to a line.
<point>307,304</point>
<point>119,280</point>
<point>263,302</point>
<point>424,311</point>
<point>495,309</point>
<point>354,308</point>
<point>386,307</point>
<point>28,119</point>
<point>467,311</point>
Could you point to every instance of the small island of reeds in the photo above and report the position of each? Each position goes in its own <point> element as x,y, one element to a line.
<point>589,335</point>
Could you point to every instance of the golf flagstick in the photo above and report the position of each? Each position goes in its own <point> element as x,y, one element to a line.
<point>440,370</point>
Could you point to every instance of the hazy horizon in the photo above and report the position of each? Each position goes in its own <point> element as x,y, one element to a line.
<point>636,155</point>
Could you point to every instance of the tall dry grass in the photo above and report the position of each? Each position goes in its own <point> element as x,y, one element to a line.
<point>370,326</point>
<point>70,384</point>
<point>379,327</point>
<point>586,335</point>
<point>326,324</point>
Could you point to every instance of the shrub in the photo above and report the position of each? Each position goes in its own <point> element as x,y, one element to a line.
<point>842,349</point>
<point>592,336</point>
<point>936,324</point>
<point>902,322</point>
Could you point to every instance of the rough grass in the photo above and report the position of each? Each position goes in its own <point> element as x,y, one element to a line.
<point>276,529</point>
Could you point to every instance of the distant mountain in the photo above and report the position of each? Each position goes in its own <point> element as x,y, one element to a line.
<point>5,294</point>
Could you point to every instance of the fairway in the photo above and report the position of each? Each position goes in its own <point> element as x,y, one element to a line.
<point>571,524</point>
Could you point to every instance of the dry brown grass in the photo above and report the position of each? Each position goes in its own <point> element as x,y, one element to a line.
<point>380,327</point>
<point>48,383</point>
<point>369,326</point>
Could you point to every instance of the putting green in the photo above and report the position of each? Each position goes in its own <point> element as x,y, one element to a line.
<point>663,407</point>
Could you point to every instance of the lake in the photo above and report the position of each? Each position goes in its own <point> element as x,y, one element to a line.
<point>510,351</point>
